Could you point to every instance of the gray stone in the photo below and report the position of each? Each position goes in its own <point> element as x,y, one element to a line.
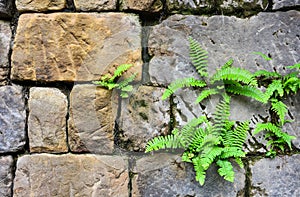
<point>71,175</point>
<point>6,8</point>
<point>47,120</point>
<point>40,5</point>
<point>224,38</point>
<point>145,5</point>
<point>143,116</point>
<point>12,119</point>
<point>279,4</point>
<point>95,5</point>
<point>6,177</point>
<point>91,121</point>
<point>166,175</point>
<point>276,177</point>
<point>5,38</point>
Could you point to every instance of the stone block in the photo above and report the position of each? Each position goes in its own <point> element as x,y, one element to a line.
<point>281,4</point>
<point>75,46</point>
<point>71,175</point>
<point>145,5</point>
<point>91,121</point>
<point>47,120</point>
<point>166,175</point>
<point>143,116</point>
<point>95,5</point>
<point>6,177</point>
<point>5,38</point>
<point>12,119</point>
<point>40,5</point>
<point>276,177</point>
<point>6,8</point>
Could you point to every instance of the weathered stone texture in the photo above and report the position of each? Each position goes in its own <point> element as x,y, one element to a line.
<point>166,175</point>
<point>74,46</point>
<point>12,119</point>
<point>279,4</point>
<point>92,5</point>
<point>143,116</point>
<point>6,178</point>
<point>47,120</point>
<point>223,37</point>
<point>5,37</point>
<point>6,8</point>
<point>145,5</point>
<point>71,175</point>
<point>40,5</point>
<point>276,177</point>
<point>91,122</point>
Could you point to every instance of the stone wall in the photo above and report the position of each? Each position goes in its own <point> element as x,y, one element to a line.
<point>60,135</point>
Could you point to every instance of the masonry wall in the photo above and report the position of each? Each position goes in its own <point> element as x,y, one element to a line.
<point>60,135</point>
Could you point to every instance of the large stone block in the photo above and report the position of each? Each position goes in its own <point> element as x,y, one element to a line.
<point>276,177</point>
<point>143,116</point>
<point>281,4</point>
<point>12,119</point>
<point>71,175</point>
<point>74,46</point>
<point>91,121</point>
<point>145,5</point>
<point>95,5</point>
<point>6,177</point>
<point>40,5</point>
<point>6,8</point>
<point>166,175</point>
<point>5,38</point>
<point>47,120</point>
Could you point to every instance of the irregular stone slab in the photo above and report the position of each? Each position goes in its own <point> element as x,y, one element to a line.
<point>143,116</point>
<point>71,175</point>
<point>12,119</point>
<point>276,177</point>
<point>146,5</point>
<point>270,33</point>
<point>91,121</point>
<point>40,5</point>
<point>6,169</point>
<point>47,120</point>
<point>5,38</point>
<point>279,4</point>
<point>6,8</point>
<point>92,5</point>
<point>166,175</point>
<point>76,47</point>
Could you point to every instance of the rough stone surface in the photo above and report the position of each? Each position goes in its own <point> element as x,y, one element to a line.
<point>6,8</point>
<point>279,4</point>
<point>91,122</point>
<point>47,120</point>
<point>6,178</point>
<point>276,177</point>
<point>5,36</point>
<point>40,5</point>
<point>224,38</point>
<point>165,175</point>
<point>71,175</point>
<point>92,5</point>
<point>76,47</point>
<point>145,5</point>
<point>143,116</point>
<point>12,119</point>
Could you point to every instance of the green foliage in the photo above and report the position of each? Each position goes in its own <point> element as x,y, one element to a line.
<point>198,57</point>
<point>124,86</point>
<point>263,55</point>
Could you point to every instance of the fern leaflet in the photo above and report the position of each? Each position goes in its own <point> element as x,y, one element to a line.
<point>276,85</point>
<point>206,93</point>
<point>248,91</point>
<point>198,57</point>
<point>226,170</point>
<point>263,55</point>
<point>280,109</point>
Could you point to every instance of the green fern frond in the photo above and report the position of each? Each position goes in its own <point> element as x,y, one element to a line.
<point>275,86</point>
<point>181,83</point>
<point>234,74</point>
<point>248,91</point>
<point>197,139</point>
<point>106,84</point>
<point>126,81</point>
<point>120,70</point>
<point>164,142</point>
<point>206,93</point>
<point>280,109</point>
<point>228,64</point>
<point>235,152</point>
<point>263,55</point>
<point>295,66</point>
<point>239,161</point>
<point>200,172</point>
<point>237,137</point>
<point>266,74</point>
<point>221,115</point>
<point>198,57</point>
<point>291,84</point>
<point>226,170</point>
<point>209,154</point>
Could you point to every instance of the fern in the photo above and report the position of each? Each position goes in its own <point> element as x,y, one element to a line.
<point>226,170</point>
<point>236,138</point>
<point>275,86</point>
<point>295,66</point>
<point>228,64</point>
<point>248,91</point>
<point>221,115</point>
<point>263,55</point>
<point>198,57</point>
<point>119,71</point>
<point>280,109</point>
<point>266,74</point>
<point>206,93</point>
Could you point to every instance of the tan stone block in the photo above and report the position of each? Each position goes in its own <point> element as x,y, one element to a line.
<point>40,5</point>
<point>95,5</point>
<point>146,5</point>
<point>47,120</point>
<point>71,175</point>
<point>75,46</point>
